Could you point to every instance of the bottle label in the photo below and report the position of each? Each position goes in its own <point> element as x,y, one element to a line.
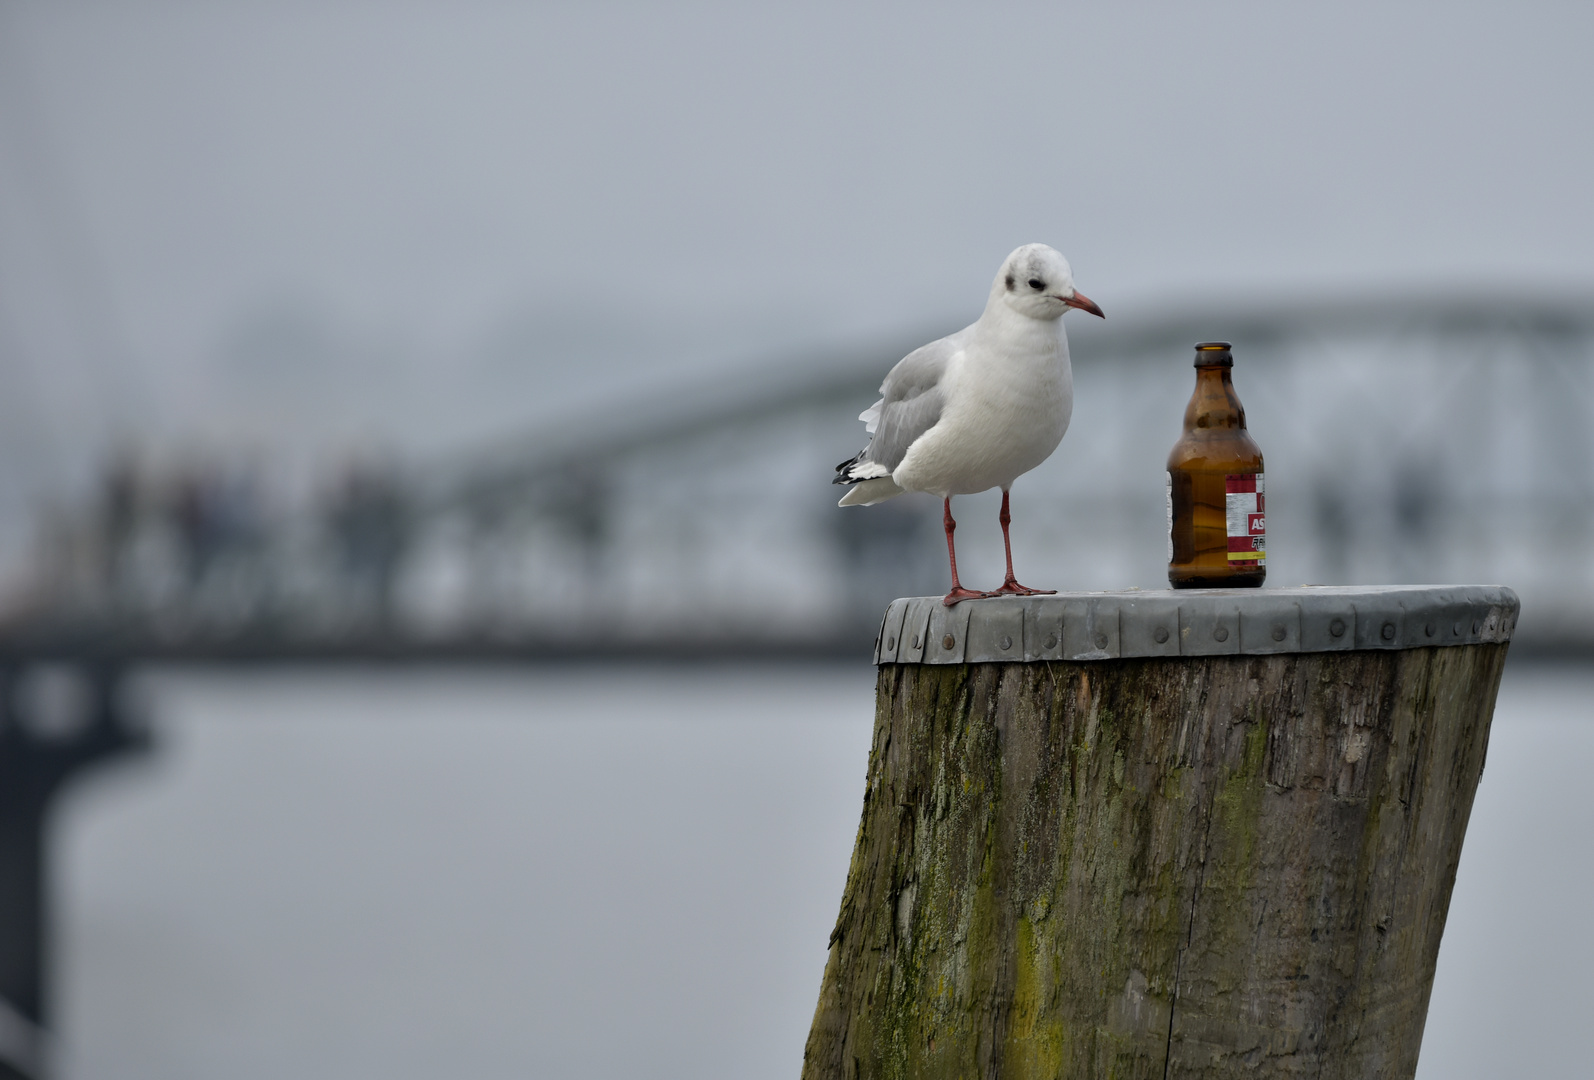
<point>1246,518</point>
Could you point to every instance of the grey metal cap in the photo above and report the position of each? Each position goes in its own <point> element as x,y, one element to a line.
<point>1193,622</point>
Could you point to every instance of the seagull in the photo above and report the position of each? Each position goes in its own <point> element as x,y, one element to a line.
<point>978,408</point>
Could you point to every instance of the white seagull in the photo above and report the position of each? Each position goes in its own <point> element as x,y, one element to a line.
<point>979,408</point>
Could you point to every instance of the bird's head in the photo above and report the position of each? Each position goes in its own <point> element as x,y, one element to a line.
<point>1036,281</point>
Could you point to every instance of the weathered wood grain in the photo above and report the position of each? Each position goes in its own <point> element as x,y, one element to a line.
<point>1194,867</point>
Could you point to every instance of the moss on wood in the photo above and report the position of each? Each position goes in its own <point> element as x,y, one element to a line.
<point>1202,867</point>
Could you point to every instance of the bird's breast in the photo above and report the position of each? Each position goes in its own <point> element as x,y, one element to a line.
<point>1001,421</point>
<point>1008,395</point>
<point>1033,393</point>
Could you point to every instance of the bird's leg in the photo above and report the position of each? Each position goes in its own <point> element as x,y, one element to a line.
<point>1010,585</point>
<point>958,591</point>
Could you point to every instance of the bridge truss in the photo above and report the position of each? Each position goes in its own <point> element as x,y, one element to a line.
<point>1411,441</point>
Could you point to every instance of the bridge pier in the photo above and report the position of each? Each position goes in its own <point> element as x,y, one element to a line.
<point>55,722</point>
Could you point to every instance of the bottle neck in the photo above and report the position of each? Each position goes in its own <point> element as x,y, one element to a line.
<point>1214,404</point>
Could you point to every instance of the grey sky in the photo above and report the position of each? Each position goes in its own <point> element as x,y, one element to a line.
<point>346,223</point>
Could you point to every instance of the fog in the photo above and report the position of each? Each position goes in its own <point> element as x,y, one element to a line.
<point>427,225</point>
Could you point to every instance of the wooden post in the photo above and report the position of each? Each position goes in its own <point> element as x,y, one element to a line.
<point>1159,834</point>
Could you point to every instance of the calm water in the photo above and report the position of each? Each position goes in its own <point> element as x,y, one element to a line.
<point>618,873</point>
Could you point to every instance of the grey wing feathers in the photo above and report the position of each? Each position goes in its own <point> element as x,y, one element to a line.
<point>910,404</point>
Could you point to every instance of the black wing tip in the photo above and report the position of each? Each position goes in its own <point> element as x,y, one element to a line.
<point>841,470</point>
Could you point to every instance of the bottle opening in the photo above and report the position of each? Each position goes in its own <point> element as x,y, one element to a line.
<point>1213,354</point>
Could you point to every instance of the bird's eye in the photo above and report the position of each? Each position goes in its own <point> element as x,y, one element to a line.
<point>1010,283</point>
<point>1036,283</point>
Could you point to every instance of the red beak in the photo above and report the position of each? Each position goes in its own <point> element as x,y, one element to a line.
<point>1083,303</point>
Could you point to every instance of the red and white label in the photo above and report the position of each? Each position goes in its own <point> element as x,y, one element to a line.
<point>1245,513</point>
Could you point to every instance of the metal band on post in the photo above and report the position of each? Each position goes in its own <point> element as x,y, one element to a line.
<point>1204,622</point>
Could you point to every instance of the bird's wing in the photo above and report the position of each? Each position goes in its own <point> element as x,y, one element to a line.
<point>911,400</point>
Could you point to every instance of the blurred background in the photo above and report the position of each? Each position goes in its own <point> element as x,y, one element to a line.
<point>339,338</point>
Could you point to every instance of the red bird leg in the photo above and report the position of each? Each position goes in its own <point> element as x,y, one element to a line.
<point>958,591</point>
<point>1010,585</point>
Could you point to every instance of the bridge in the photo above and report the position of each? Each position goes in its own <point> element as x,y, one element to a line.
<point>1411,441</point>
<point>1415,440</point>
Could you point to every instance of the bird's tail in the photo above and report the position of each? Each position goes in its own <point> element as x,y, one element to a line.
<point>869,481</point>
<point>869,492</point>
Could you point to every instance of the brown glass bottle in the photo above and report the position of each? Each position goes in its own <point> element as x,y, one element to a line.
<point>1217,528</point>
